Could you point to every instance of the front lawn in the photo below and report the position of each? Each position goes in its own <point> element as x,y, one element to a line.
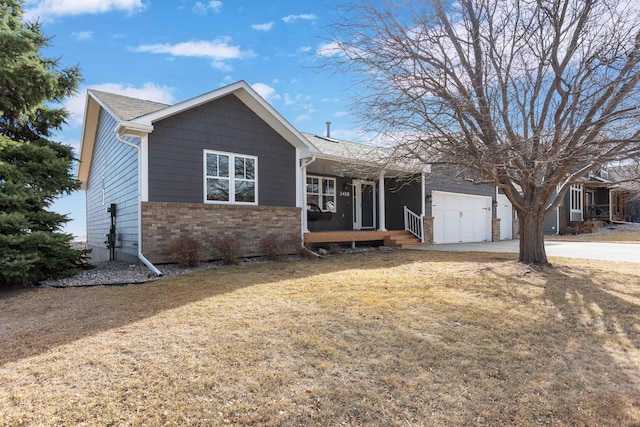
<point>402,338</point>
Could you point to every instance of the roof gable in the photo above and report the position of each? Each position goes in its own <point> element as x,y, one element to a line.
<point>136,117</point>
<point>124,107</point>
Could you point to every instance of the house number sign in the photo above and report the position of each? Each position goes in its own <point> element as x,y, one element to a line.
<point>344,194</point>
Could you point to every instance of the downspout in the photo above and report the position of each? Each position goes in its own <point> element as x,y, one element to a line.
<point>610,207</point>
<point>303,168</point>
<point>141,257</point>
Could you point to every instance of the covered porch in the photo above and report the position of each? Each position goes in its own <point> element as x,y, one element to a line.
<point>351,197</point>
<point>604,203</point>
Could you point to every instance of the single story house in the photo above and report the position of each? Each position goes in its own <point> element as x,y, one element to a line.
<point>227,164</point>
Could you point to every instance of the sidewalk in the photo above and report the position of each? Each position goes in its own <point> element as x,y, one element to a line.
<point>620,252</point>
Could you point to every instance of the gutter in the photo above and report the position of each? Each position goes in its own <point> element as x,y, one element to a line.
<point>141,256</point>
<point>307,163</point>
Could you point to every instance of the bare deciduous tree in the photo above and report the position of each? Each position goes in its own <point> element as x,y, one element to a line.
<point>530,95</point>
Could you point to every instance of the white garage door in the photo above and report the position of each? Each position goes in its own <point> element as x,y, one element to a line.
<point>460,217</point>
<point>505,213</point>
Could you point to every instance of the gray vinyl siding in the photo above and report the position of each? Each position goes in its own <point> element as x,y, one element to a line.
<point>443,178</point>
<point>117,163</point>
<point>551,222</point>
<point>342,218</point>
<point>176,152</point>
<point>398,194</point>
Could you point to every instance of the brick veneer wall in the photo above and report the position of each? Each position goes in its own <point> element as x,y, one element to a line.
<point>428,229</point>
<point>162,222</point>
<point>495,229</point>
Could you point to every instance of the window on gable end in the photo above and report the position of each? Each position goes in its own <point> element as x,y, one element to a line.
<point>230,178</point>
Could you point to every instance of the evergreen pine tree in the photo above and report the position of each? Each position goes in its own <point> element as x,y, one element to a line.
<point>33,169</point>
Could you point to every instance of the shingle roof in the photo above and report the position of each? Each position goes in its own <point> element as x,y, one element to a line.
<point>346,149</point>
<point>364,154</point>
<point>127,108</point>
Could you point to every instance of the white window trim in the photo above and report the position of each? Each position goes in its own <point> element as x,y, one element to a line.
<point>321,193</point>
<point>232,178</point>
<point>575,195</point>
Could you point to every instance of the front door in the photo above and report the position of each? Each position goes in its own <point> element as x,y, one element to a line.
<point>364,205</point>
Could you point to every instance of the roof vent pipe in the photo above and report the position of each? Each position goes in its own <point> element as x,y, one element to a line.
<point>328,129</point>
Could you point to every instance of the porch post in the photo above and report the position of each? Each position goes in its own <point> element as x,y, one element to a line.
<point>423,192</point>
<point>381,204</point>
<point>610,206</point>
<point>305,224</point>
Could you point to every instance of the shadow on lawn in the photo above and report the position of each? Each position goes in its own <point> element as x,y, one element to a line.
<point>482,363</point>
<point>596,308</point>
<point>39,319</point>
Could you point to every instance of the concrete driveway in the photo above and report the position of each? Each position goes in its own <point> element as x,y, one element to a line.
<point>625,252</point>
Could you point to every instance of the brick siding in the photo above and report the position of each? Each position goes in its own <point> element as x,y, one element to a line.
<point>495,229</point>
<point>163,222</point>
<point>428,229</point>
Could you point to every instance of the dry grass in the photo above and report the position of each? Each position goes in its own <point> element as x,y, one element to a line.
<point>620,237</point>
<point>399,338</point>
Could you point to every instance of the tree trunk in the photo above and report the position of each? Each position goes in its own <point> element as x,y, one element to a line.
<point>532,237</point>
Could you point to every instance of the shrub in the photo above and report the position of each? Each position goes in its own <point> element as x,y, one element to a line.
<point>187,251</point>
<point>273,247</point>
<point>229,249</point>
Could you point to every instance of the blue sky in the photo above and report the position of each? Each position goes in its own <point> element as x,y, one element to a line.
<point>170,51</point>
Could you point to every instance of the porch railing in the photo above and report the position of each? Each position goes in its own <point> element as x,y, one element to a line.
<point>413,224</point>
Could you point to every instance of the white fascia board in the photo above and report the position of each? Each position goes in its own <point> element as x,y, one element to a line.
<point>89,129</point>
<point>87,144</point>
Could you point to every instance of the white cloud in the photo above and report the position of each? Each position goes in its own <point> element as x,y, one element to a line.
<point>202,8</point>
<point>148,91</point>
<point>304,49</point>
<point>290,100</point>
<point>199,8</point>
<point>267,92</point>
<point>49,9</point>
<point>267,26</point>
<point>302,117</point>
<point>329,49</point>
<point>290,19</point>
<point>83,35</point>
<point>341,113</point>
<point>218,50</point>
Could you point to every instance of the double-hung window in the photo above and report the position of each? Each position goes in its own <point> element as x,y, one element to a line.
<point>576,198</point>
<point>575,203</point>
<point>322,192</point>
<point>230,178</point>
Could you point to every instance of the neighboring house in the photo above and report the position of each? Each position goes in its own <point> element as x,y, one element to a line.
<point>226,164</point>
<point>597,197</point>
